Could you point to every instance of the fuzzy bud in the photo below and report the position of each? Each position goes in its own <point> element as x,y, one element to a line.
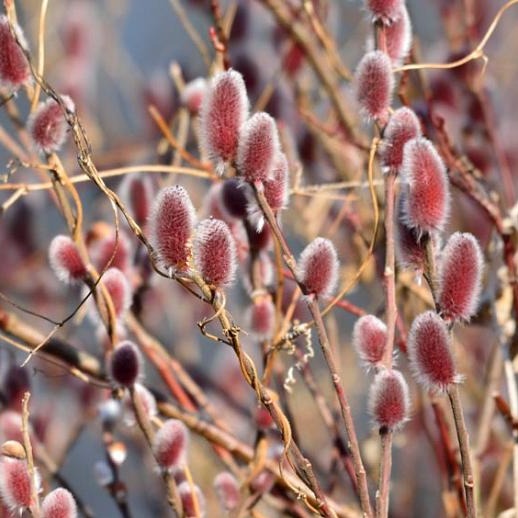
<point>47,125</point>
<point>193,93</point>
<point>261,317</point>
<point>460,272</point>
<point>113,250</point>
<point>429,352</point>
<point>14,67</point>
<point>125,364</point>
<point>234,198</point>
<point>147,400</point>
<point>389,401</point>
<point>170,444</point>
<point>258,148</point>
<point>374,84</point>
<point>191,508</point>
<point>227,488</point>
<point>15,484</point>
<point>369,339</point>
<point>398,36</point>
<point>224,110</point>
<point>215,253</point>
<point>59,504</point>
<point>259,236</point>
<point>276,189</point>
<point>65,260</point>
<point>385,10</point>
<point>426,202</point>
<point>136,191</point>
<point>318,268</point>
<point>402,126</point>
<point>119,290</point>
<point>171,224</point>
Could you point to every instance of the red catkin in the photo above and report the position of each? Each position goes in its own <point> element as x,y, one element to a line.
<point>136,191</point>
<point>65,260</point>
<point>276,188</point>
<point>170,444</point>
<point>459,277</point>
<point>47,125</point>
<point>261,317</point>
<point>398,37</point>
<point>14,67</point>
<point>224,110</point>
<point>402,126</point>
<point>429,352</point>
<point>59,504</point>
<point>369,340</point>
<point>119,290</point>
<point>426,201</point>
<point>389,402</point>
<point>15,484</point>
<point>258,148</point>
<point>374,83</point>
<point>113,250</point>
<point>317,268</point>
<point>215,253</point>
<point>385,10</point>
<point>170,225</point>
<point>234,197</point>
<point>193,94</point>
<point>125,364</point>
<point>190,509</point>
<point>227,489</point>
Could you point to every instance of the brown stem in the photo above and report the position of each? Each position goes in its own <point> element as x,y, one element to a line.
<point>345,409</point>
<point>462,435</point>
<point>383,494</point>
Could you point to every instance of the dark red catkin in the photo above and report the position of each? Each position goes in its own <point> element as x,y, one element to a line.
<point>223,112</point>
<point>402,126</point>
<point>389,402</point>
<point>459,277</point>
<point>374,82</point>
<point>171,224</point>
<point>429,352</point>
<point>215,254</point>
<point>14,67</point>
<point>65,260</point>
<point>125,364</point>
<point>317,268</point>
<point>258,148</point>
<point>369,340</point>
<point>426,200</point>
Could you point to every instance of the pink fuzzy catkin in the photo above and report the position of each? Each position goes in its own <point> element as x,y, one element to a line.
<point>193,94</point>
<point>385,10</point>
<point>136,191</point>
<point>170,444</point>
<point>215,254</point>
<point>227,488</point>
<point>402,126</point>
<point>15,484</point>
<point>429,352</point>
<point>59,504</point>
<point>66,261</point>
<point>398,37</point>
<point>224,110</point>
<point>261,317</point>
<point>389,401</point>
<point>369,340</point>
<point>47,125</point>
<point>187,494</point>
<point>171,224</point>
<point>119,290</point>
<point>426,202</point>
<point>317,268</point>
<point>14,67</point>
<point>258,148</point>
<point>459,277</point>
<point>374,83</point>
<point>276,188</point>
